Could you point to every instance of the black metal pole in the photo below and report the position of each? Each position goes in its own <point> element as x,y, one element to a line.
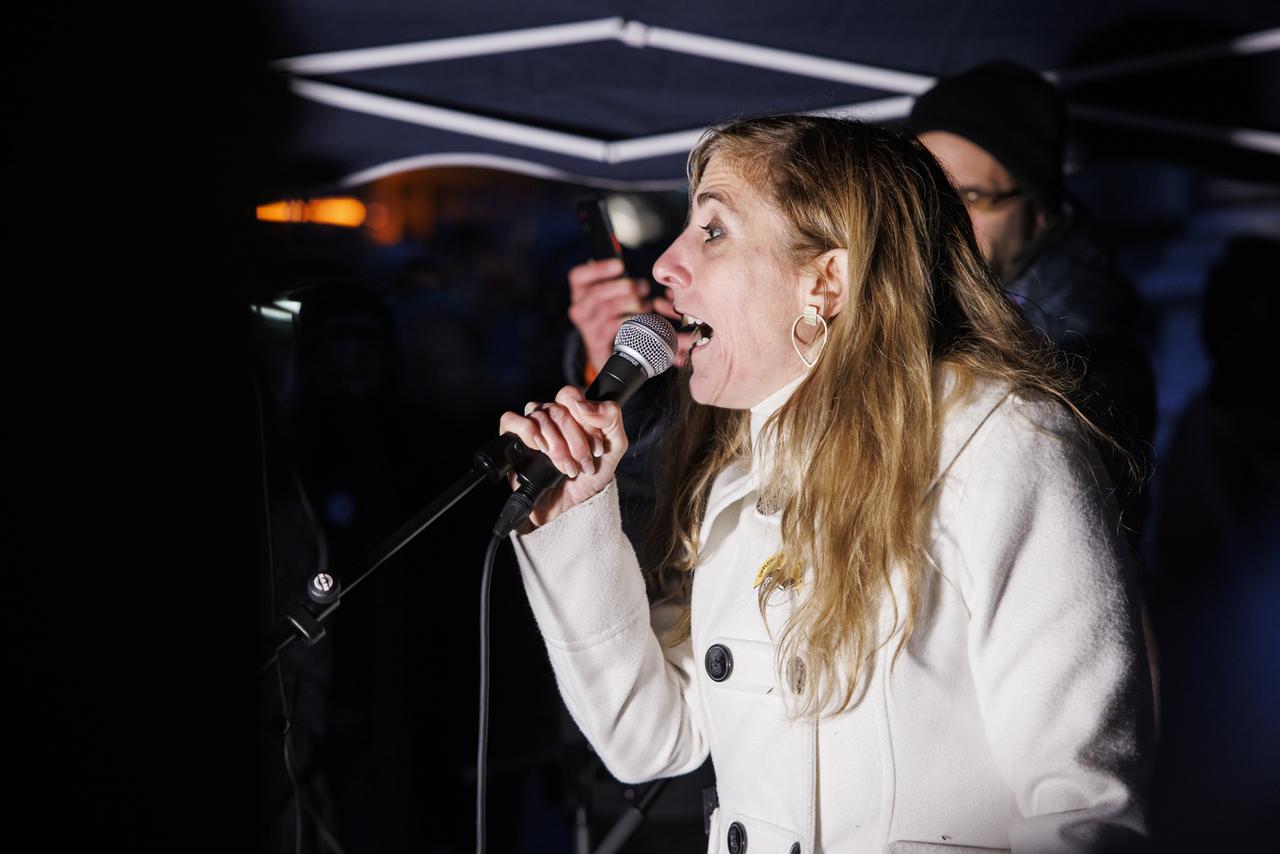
<point>632,817</point>
<point>324,591</point>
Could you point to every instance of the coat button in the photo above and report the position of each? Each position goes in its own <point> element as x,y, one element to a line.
<point>719,662</point>
<point>737,838</point>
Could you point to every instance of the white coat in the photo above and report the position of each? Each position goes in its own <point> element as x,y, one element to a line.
<point>1015,718</point>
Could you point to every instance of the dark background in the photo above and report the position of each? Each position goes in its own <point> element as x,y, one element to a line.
<point>175,455</point>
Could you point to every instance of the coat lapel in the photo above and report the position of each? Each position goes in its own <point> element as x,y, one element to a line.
<point>735,482</point>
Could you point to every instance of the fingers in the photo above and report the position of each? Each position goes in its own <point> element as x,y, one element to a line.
<point>614,289</point>
<point>570,446</point>
<point>573,441</point>
<point>523,427</point>
<point>568,397</point>
<point>537,430</point>
<point>584,276</point>
<point>606,417</point>
<point>598,284</point>
<point>608,299</point>
<point>597,313</point>
<point>621,307</point>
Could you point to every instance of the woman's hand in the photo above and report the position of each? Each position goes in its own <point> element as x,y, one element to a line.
<point>585,440</point>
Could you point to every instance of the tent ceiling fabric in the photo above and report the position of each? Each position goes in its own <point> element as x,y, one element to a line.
<point>614,94</point>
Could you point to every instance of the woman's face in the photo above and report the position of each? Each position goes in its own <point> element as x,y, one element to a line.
<point>728,270</point>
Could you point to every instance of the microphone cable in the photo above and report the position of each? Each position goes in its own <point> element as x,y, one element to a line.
<point>644,347</point>
<point>482,741</point>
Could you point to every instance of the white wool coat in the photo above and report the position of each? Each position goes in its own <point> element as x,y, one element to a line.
<point>1016,718</point>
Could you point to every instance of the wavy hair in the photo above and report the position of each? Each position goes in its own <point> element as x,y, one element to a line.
<point>857,442</point>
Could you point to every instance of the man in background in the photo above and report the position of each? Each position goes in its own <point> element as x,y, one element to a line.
<point>999,130</point>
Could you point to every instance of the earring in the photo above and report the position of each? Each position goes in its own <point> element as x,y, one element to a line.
<point>810,318</point>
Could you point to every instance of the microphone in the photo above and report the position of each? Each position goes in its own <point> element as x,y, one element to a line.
<point>644,347</point>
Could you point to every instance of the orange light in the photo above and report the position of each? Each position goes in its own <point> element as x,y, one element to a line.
<point>282,212</point>
<point>342,211</point>
<point>346,212</point>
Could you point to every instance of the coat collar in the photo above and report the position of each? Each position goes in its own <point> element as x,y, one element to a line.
<point>962,421</point>
<point>743,475</point>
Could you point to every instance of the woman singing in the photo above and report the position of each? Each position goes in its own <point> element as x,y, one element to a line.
<point>892,599</point>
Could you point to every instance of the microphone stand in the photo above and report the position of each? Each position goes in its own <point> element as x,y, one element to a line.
<point>632,817</point>
<point>306,622</point>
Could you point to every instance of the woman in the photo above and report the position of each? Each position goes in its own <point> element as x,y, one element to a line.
<point>893,603</point>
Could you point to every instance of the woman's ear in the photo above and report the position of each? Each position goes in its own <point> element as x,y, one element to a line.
<point>827,286</point>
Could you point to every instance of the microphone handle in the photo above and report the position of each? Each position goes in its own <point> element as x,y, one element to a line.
<point>617,381</point>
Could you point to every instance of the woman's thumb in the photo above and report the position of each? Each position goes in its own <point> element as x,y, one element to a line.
<point>602,414</point>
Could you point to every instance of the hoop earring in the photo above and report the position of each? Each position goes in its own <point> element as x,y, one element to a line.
<point>811,318</point>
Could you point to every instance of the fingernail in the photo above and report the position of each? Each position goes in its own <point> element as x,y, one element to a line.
<point>542,446</point>
<point>570,469</point>
<point>597,446</point>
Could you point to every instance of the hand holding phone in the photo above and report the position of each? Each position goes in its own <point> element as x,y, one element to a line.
<point>602,295</point>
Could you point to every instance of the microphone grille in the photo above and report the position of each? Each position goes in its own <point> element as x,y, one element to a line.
<point>651,338</point>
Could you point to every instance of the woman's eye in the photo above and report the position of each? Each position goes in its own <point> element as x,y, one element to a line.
<point>714,232</point>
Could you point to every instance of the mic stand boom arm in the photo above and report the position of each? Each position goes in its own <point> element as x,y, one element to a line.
<point>306,622</point>
<point>644,347</point>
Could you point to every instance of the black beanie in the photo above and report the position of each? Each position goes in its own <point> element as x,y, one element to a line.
<point>1013,113</point>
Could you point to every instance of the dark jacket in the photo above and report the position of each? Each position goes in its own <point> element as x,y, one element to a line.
<point>1074,293</point>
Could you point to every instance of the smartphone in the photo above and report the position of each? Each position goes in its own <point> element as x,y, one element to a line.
<point>593,216</point>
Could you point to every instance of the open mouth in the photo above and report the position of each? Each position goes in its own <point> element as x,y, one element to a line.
<point>700,328</point>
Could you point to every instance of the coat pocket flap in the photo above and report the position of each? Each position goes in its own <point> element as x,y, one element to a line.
<point>752,669</point>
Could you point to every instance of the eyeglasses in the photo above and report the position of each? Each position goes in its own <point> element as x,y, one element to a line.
<point>986,200</point>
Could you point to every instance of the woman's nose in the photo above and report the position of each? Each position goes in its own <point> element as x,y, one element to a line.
<point>670,269</point>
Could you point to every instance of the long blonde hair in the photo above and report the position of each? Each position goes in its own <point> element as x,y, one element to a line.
<point>857,442</point>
